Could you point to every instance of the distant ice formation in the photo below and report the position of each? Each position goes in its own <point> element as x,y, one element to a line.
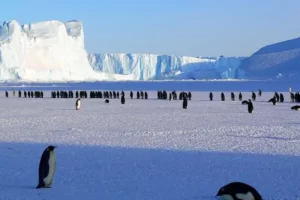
<point>157,67</point>
<point>54,51</point>
<point>45,51</point>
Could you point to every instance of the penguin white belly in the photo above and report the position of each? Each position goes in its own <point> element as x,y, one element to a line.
<point>247,196</point>
<point>78,105</point>
<point>226,197</point>
<point>52,167</point>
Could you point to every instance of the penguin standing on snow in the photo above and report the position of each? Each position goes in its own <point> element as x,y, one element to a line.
<point>273,100</point>
<point>47,168</point>
<point>185,102</point>
<point>250,106</point>
<point>240,96</point>
<point>253,96</point>
<point>222,96</point>
<point>238,191</point>
<point>259,92</point>
<point>211,96</point>
<point>281,98</point>
<point>122,99</point>
<point>77,104</point>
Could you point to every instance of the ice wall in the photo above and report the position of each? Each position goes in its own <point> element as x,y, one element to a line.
<point>154,67</point>
<point>44,51</point>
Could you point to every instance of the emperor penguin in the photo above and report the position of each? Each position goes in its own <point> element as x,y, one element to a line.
<point>185,102</point>
<point>122,99</point>
<point>296,107</point>
<point>77,104</point>
<point>238,191</point>
<point>47,168</point>
<point>273,100</point>
<point>250,106</point>
<point>211,96</point>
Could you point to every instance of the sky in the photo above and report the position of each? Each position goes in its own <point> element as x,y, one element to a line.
<point>185,27</point>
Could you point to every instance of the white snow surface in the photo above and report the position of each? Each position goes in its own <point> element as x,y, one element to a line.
<point>149,149</point>
<point>156,67</point>
<point>45,51</point>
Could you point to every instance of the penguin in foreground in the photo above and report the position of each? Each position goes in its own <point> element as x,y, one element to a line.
<point>250,106</point>
<point>77,104</point>
<point>47,168</point>
<point>238,191</point>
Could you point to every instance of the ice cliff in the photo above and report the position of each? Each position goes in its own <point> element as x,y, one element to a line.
<point>156,67</point>
<point>44,51</point>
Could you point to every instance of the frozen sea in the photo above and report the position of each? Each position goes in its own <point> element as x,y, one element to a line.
<point>150,149</point>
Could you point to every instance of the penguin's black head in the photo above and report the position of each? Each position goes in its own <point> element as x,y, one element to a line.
<point>221,192</point>
<point>51,148</point>
<point>249,100</point>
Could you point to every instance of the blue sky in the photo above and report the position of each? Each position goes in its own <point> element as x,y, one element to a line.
<point>185,27</point>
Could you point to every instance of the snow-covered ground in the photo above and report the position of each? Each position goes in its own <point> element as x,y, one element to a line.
<point>149,149</point>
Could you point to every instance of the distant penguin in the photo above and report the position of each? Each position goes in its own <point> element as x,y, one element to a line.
<point>232,96</point>
<point>296,107</point>
<point>211,96</point>
<point>185,102</point>
<point>259,92</point>
<point>281,98</point>
<point>273,100</point>
<point>47,168</point>
<point>250,106</point>
<point>240,96</point>
<point>222,96</point>
<point>6,94</point>
<point>190,96</point>
<point>292,97</point>
<point>238,191</point>
<point>77,104</point>
<point>122,99</point>
<point>106,101</point>
<point>253,96</point>
<point>131,94</point>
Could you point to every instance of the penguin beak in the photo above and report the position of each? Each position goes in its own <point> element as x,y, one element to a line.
<point>54,147</point>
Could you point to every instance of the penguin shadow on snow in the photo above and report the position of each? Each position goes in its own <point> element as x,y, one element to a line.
<point>140,173</point>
